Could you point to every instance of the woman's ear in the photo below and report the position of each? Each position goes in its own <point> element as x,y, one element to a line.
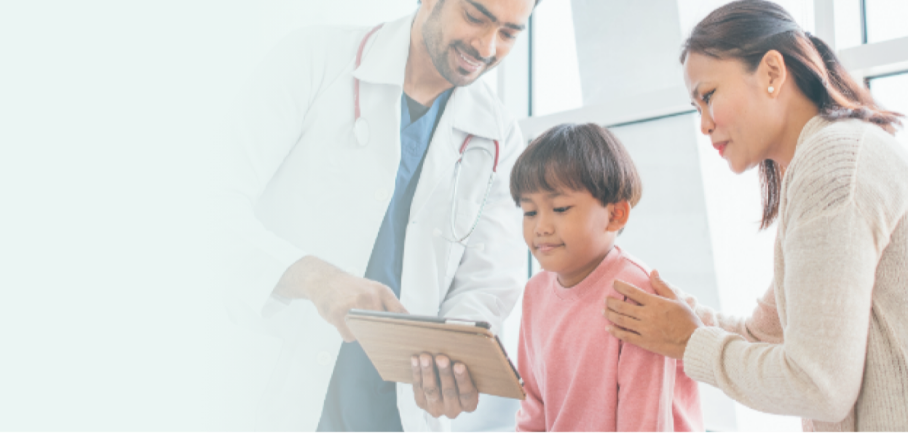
<point>772,72</point>
<point>618,214</point>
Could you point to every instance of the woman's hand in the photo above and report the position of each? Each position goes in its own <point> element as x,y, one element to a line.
<point>661,324</point>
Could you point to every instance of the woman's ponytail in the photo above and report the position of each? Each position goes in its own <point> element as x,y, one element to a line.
<point>844,97</point>
<point>746,30</point>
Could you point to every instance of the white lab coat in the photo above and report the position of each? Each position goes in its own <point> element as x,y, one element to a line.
<point>299,184</point>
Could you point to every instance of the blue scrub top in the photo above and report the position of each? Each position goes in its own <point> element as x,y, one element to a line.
<point>358,399</point>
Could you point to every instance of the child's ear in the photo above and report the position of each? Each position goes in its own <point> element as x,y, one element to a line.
<point>618,214</point>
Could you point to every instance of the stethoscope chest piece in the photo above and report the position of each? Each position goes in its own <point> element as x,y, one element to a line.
<point>361,131</point>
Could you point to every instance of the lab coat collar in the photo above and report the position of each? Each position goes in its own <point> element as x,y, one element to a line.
<point>385,55</point>
<point>476,111</point>
<point>474,108</point>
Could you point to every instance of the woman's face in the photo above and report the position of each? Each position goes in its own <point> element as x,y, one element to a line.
<point>735,109</point>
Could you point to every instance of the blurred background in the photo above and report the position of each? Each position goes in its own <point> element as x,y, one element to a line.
<point>109,113</point>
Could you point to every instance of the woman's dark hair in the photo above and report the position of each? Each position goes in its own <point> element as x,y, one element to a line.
<point>578,157</point>
<point>746,30</point>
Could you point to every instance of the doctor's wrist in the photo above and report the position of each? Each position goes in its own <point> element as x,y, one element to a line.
<point>300,279</point>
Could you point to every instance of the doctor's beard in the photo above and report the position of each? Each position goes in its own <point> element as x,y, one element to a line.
<point>439,51</point>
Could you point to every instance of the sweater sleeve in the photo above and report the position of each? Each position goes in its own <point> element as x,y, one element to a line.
<point>761,326</point>
<point>531,416</point>
<point>646,384</point>
<point>826,262</point>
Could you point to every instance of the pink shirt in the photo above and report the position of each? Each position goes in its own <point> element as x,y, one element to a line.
<point>579,378</point>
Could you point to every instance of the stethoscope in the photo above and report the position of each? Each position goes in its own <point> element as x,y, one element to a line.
<point>361,132</point>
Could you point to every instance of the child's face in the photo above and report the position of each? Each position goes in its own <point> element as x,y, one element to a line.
<point>570,232</point>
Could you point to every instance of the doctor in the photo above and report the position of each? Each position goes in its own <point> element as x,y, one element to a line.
<point>361,171</point>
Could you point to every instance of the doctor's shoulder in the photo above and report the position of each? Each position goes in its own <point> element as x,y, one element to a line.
<point>317,52</point>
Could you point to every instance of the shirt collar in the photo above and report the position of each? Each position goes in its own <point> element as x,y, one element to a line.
<point>476,112</point>
<point>606,270</point>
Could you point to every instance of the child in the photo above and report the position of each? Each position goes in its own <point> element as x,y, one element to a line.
<point>576,185</point>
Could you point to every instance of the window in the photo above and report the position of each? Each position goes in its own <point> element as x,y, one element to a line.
<point>556,75</point>
<point>891,92</point>
<point>885,19</point>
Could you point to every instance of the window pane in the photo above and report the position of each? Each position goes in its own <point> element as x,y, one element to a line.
<point>892,93</point>
<point>847,23</point>
<point>886,19</point>
<point>556,73</point>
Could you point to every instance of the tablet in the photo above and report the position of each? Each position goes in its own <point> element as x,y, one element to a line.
<point>391,339</point>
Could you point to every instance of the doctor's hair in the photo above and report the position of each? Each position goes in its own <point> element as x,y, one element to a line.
<point>745,30</point>
<point>577,157</point>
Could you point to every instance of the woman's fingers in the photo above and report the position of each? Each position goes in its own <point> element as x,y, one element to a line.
<point>662,324</point>
<point>632,292</point>
<point>661,287</point>
<point>623,321</point>
<point>621,307</point>
<point>624,335</point>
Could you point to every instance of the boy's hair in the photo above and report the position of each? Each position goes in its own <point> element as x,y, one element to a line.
<point>579,157</point>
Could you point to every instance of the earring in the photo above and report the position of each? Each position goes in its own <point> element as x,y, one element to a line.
<point>771,89</point>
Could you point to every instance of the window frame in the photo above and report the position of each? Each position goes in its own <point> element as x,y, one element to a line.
<point>864,62</point>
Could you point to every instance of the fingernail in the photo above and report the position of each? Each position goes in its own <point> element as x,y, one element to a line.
<point>425,362</point>
<point>413,361</point>
<point>441,362</point>
<point>459,368</point>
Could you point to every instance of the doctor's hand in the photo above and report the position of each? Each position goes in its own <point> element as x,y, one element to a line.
<point>662,323</point>
<point>335,292</point>
<point>449,392</point>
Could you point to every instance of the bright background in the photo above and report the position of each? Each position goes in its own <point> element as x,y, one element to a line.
<point>107,113</point>
<point>107,109</point>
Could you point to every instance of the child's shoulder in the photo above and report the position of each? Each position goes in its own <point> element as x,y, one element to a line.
<point>634,272</point>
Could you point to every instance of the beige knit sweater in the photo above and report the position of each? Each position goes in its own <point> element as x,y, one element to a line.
<point>829,341</point>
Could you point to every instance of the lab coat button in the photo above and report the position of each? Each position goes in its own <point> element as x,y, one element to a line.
<point>324,358</point>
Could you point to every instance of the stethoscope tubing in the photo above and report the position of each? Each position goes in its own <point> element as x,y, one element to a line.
<point>359,60</point>
<point>361,133</point>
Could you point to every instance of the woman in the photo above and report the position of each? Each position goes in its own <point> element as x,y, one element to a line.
<point>829,340</point>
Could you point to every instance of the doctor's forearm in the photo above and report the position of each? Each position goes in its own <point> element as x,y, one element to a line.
<point>297,279</point>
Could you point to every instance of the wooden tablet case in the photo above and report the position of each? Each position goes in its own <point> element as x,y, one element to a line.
<point>390,343</point>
